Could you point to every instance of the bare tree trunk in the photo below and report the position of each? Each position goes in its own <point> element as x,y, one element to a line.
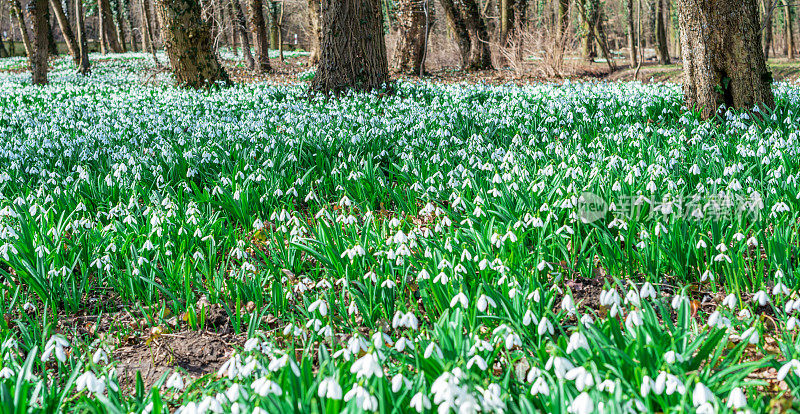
<point>588,16</point>
<point>147,35</point>
<point>480,55</point>
<point>241,28</point>
<point>662,48</point>
<point>51,40</point>
<point>562,23</point>
<point>110,42</point>
<point>408,54</point>
<point>129,25</point>
<point>631,34</point>
<point>787,19</point>
<point>353,53</point>
<point>66,30</point>
<point>219,12</point>
<point>723,63</point>
<point>455,20</point>
<point>259,29</point>
<point>315,35</point>
<point>233,24</point>
<point>3,52</point>
<point>37,9</point>
<point>119,31</point>
<point>506,20</point>
<point>767,34</point>
<point>83,50</point>
<point>19,19</point>
<point>274,30</point>
<point>187,39</point>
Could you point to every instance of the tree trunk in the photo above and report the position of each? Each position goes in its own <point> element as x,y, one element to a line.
<point>480,55</point>
<point>51,40</point>
<point>767,34</point>
<point>662,48</point>
<point>241,28</point>
<point>506,20</point>
<point>147,34</point>
<point>234,26</point>
<point>410,50</point>
<point>631,34</point>
<point>19,19</point>
<point>353,53</point>
<point>187,39</point>
<point>3,52</point>
<point>108,34</point>
<point>220,15</point>
<point>66,30</point>
<point>315,32</point>
<point>723,63</point>
<point>80,29</point>
<point>588,16</point>
<point>455,20</point>
<point>259,29</point>
<point>120,33</point>
<point>562,23</point>
<point>787,13</point>
<point>274,30</point>
<point>37,9</point>
<point>129,24</point>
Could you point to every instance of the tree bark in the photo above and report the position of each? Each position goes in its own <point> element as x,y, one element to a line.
<point>480,54</point>
<point>66,30</point>
<point>19,19</point>
<point>108,34</point>
<point>129,24</point>
<point>241,28</point>
<point>410,51</point>
<point>353,53</point>
<point>588,16</point>
<point>147,34</point>
<point>3,52</point>
<point>187,39</point>
<point>631,34</point>
<point>274,29</point>
<point>562,23</point>
<point>455,20</point>
<point>767,34</point>
<point>315,32</point>
<point>506,20</point>
<point>37,9</point>
<point>51,40</point>
<point>120,33</point>
<point>662,48</point>
<point>259,29</point>
<point>723,63</point>
<point>787,21</point>
<point>80,29</point>
<point>219,12</point>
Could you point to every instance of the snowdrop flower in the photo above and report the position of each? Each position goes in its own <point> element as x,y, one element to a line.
<point>485,302</point>
<point>577,341</point>
<point>701,395</point>
<point>761,298</point>
<point>540,387</point>
<point>780,288</point>
<point>583,404</point>
<point>730,301</point>
<point>750,335</point>
<point>90,382</point>
<point>6,373</point>
<point>367,367</point>
<point>329,388</point>
<point>791,366</point>
<point>736,399</point>
<point>400,382</point>
<point>175,382</point>
<point>461,299</point>
<point>432,349</point>
<point>264,387</point>
<point>583,378</point>
<point>100,356</point>
<point>545,326</point>
<point>647,291</point>
<point>420,402</point>
<point>57,345</point>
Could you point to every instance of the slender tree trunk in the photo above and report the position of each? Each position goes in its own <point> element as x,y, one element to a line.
<point>662,48</point>
<point>107,29</point>
<point>129,24</point>
<point>723,63</point>
<point>19,19</point>
<point>631,34</point>
<point>787,19</point>
<point>147,35</point>
<point>120,33</point>
<point>233,24</point>
<point>66,30</point>
<point>480,55</point>
<point>3,52</point>
<point>219,12</point>
<point>408,54</point>
<point>187,39</point>
<point>274,30</point>
<point>80,29</point>
<point>506,19</point>
<point>562,23</point>
<point>353,53</point>
<point>588,16</point>
<point>241,27</point>
<point>37,9</point>
<point>455,20</point>
<point>315,34</point>
<point>767,34</point>
<point>259,29</point>
<point>51,40</point>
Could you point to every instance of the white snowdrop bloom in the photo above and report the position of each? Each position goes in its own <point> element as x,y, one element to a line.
<point>460,299</point>
<point>175,382</point>
<point>694,169</point>
<point>485,302</point>
<point>750,335</point>
<point>780,288</point>
<point>744,314</point>
<point>706,408</point>
<point>512,340</point>
<point>577,341</point>
<point>607,386</point>
<point>320,305</point>
<point>587,320</point>
<point>633,320</point>
<point>791,324</point>
<point>632,297</point>
<point>6,373</point>
<point>752,241</point>
<point>568,305</point>
<point>329,388</point>
<point>100,356</point>
<point>57,345</point>
<point>545,326</point>
<point>583,378</point>
<point>761,298</point>
<point>367,366</point>
<point>364,400</point>
<point>89,381</point>
<point>701,244</point>
<point>646,387</point>
<point>583,404</point>
<point>420,402</point>
<point>264,387</point>
<point>647,291</point>
<point>730,301</point>
<point>529,318</point>
<point>791,366</point>
<point>540,387</point>
<point>736,399</point>
<point>559,365</point>
<point>609,298</point>
<point>701,395</point>
<point>399,382</point>
<point>276,364</point>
